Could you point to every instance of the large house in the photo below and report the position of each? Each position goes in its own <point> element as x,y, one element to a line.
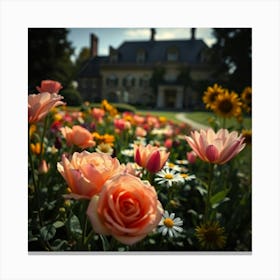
<point>155,73</point>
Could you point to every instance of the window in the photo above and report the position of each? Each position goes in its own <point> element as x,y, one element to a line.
<point>129,81</point>
<point>112,80</point>
<point>141,56</point>
<point>172,54</point>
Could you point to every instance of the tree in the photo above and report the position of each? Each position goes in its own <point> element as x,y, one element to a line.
<point>82,59</point>
<point>49,57</point>
<point>233,53</point>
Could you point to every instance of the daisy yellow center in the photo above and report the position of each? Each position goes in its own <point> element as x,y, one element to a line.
<point>168,222</point>
<point>168,176</point>
<point>185,175</point>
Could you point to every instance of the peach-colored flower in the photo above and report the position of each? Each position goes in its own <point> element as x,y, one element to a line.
<point>43,167</point>
<point>98,114</point>
<point>39,105</point>
<point>50,86</point>
<point>140,132</point>
<point>126,208</point>
<point>77,135</point>
<point>150,157</point>
<point>87,172</point>
<point>217,147</point>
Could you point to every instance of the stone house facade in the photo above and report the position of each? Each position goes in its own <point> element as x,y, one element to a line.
<point>154,73</point>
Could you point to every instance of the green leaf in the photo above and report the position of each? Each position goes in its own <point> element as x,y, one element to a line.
<point>218,197</point>
<point>75,225</point>
<point>47,232</point>
<point>58,224</point>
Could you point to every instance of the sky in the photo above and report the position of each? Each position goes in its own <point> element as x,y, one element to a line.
<point>80,37</point>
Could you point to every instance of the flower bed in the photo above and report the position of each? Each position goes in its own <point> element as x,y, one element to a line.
<point>104,180</point>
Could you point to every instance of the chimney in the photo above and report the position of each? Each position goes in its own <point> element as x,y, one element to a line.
<point>153,33</point>
<point>93,45</point>
<point>193,33</point>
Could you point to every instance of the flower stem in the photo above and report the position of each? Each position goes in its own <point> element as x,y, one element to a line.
<point>207,203</point>
<point>36,189</point>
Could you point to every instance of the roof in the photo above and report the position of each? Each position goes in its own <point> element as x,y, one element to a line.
<point>155,52</point>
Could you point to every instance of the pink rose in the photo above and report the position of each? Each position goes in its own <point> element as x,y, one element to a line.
<point>39,105</point>
<point>50,86</point>
<point>217,147</point>
<point>87,172</point>
<point>78,135</point>
<point>126,208</point>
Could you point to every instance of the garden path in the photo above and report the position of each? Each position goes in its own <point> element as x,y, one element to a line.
<point>181,117</point>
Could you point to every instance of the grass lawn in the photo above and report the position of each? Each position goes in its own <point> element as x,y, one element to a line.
<point>200,117</point>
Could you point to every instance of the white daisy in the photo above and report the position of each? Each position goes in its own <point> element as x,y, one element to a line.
<point>168,177</point>
<point>128,152</point>
<point>171,225</point>
<point>187,177</point>
<point>172,166</point>
<point>104,148</point>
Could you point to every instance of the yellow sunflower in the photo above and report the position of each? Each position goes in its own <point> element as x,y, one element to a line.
<point>211,94</point>
<point>248,136</point>
<point>246,98</point>
<point>227,105</point>
<point>210,236</point>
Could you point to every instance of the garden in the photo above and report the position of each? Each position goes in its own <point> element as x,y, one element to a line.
<point>105,179</point>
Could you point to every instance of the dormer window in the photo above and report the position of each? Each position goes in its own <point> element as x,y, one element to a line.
<point>141,56</point>
<point>172,54</point>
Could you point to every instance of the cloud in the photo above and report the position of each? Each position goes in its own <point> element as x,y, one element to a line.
<point>137,33</point>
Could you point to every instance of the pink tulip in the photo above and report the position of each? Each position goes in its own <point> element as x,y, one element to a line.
<point>191,157</point>
<point>217,147</point>
<point>78,135</point>
<point>49,86</point>
<point>150,157</point>
<point>39,105</point>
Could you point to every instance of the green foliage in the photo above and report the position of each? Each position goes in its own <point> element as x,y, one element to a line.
<point>233,52</point>
<point>72,97</point>
<point>49,57</point>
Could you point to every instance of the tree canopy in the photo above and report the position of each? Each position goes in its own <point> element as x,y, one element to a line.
<point>49,56</point>
<point>233,52</point>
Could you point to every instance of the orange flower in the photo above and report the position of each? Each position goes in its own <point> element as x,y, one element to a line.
<point>39,105</point>
<point>87,172</point>
<point>126,208</point>
<point>50,86</point>
<point>150,158</point>
<point>36,148</point>
<point>77,135</point>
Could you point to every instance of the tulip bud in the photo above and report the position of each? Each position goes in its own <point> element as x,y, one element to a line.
<point>43,167</point>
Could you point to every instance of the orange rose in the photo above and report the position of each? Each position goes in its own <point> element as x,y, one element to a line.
<point>77,135</point>
<point>40,104</point>
<point>87,172</point>
<point>126,208</point>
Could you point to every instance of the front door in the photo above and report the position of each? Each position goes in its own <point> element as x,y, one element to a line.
<point>170,98</point>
